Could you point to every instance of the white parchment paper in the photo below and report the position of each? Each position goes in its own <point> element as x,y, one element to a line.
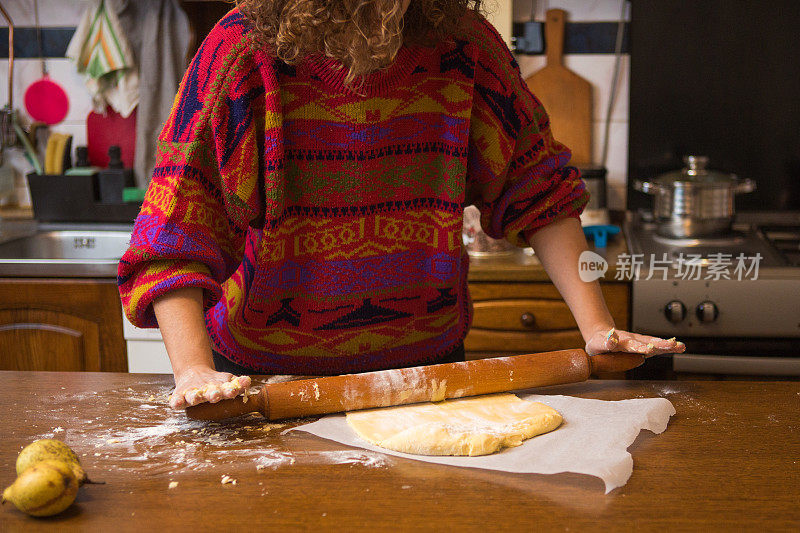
<point>593,439</point>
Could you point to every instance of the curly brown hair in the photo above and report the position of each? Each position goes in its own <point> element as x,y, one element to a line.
<point>364,35</point>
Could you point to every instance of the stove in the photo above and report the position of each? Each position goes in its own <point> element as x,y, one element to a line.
<point>786,240</point>
<point>734,300</point>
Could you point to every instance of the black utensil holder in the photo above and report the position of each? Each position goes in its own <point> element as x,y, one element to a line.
<point>60,198</point>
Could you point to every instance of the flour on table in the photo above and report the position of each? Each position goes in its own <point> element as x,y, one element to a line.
<point>467,426</point>
<point>147,437</point>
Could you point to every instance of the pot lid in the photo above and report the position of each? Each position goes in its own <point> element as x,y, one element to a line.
<point>695,171</point>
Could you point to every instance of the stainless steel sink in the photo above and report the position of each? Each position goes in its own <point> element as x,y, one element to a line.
<point>72,251</point>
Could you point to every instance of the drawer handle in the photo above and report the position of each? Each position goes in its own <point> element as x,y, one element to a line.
<point>528,320</point>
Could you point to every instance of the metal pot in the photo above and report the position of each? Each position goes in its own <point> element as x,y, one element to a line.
<point>694,202</point>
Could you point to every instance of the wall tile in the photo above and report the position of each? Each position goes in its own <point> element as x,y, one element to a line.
<point>76,129</point>
<point>617,163</point>
<point>54,42</point>
<point>599,70</point>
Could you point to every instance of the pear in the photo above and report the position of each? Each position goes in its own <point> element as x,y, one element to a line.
<point>45,489</point>
<point>44,449</point>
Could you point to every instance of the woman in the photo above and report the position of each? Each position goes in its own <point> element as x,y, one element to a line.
<point>305,213</point>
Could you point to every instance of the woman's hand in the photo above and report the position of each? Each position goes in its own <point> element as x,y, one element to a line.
<point>614,340</point>
<point>558,246</point>
<point>204,384</point>
<point>181,319</point>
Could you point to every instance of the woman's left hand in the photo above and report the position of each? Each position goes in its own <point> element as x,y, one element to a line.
<point>615,340</point>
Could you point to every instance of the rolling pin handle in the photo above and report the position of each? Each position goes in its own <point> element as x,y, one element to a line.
<point>614,362</point>
<point>256,403</point>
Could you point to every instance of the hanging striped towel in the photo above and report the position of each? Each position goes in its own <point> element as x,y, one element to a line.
<point>101,51</point>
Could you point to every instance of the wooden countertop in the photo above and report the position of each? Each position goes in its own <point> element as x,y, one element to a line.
<point>730,458</point>
<point>520,266</point>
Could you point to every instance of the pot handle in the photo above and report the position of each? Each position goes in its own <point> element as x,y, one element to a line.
<point>746,185</point>
<point>648,187</point>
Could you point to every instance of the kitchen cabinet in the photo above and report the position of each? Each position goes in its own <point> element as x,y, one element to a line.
<point>61,325</point>
<point>532,317</point>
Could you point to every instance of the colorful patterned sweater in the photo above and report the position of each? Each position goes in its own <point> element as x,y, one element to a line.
<point>324,222</point>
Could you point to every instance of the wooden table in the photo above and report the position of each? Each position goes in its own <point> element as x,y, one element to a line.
<point>729,459</point>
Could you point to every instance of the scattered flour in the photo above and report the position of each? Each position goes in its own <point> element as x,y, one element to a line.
<point>150,438</point>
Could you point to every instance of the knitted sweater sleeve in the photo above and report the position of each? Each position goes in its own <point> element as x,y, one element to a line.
<point>517,173</point>
<point>203,194</point>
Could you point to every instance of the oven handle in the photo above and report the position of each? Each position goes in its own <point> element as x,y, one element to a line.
<point>735,364</point>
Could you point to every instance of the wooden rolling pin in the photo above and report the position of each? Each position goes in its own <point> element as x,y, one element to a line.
<point>308,397</point>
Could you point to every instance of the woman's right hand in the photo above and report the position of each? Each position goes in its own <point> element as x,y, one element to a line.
<point>182,321</point>
<point>204,384</point>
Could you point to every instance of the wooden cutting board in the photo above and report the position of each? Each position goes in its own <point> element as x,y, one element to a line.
<point>566,96</point>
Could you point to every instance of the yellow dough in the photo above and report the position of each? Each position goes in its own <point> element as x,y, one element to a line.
<point>468,426</point>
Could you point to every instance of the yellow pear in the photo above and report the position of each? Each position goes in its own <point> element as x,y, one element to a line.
<point>45,489</point>
<point>43,449</point>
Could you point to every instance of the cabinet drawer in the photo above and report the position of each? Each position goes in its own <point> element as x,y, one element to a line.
<point>531,317</point>
<point>522,315</point>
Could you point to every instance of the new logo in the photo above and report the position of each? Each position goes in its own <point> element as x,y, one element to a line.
<point>591,266</point>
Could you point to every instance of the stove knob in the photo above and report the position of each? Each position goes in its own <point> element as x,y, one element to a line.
<point>675,311</point>
<point>707,312</point>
